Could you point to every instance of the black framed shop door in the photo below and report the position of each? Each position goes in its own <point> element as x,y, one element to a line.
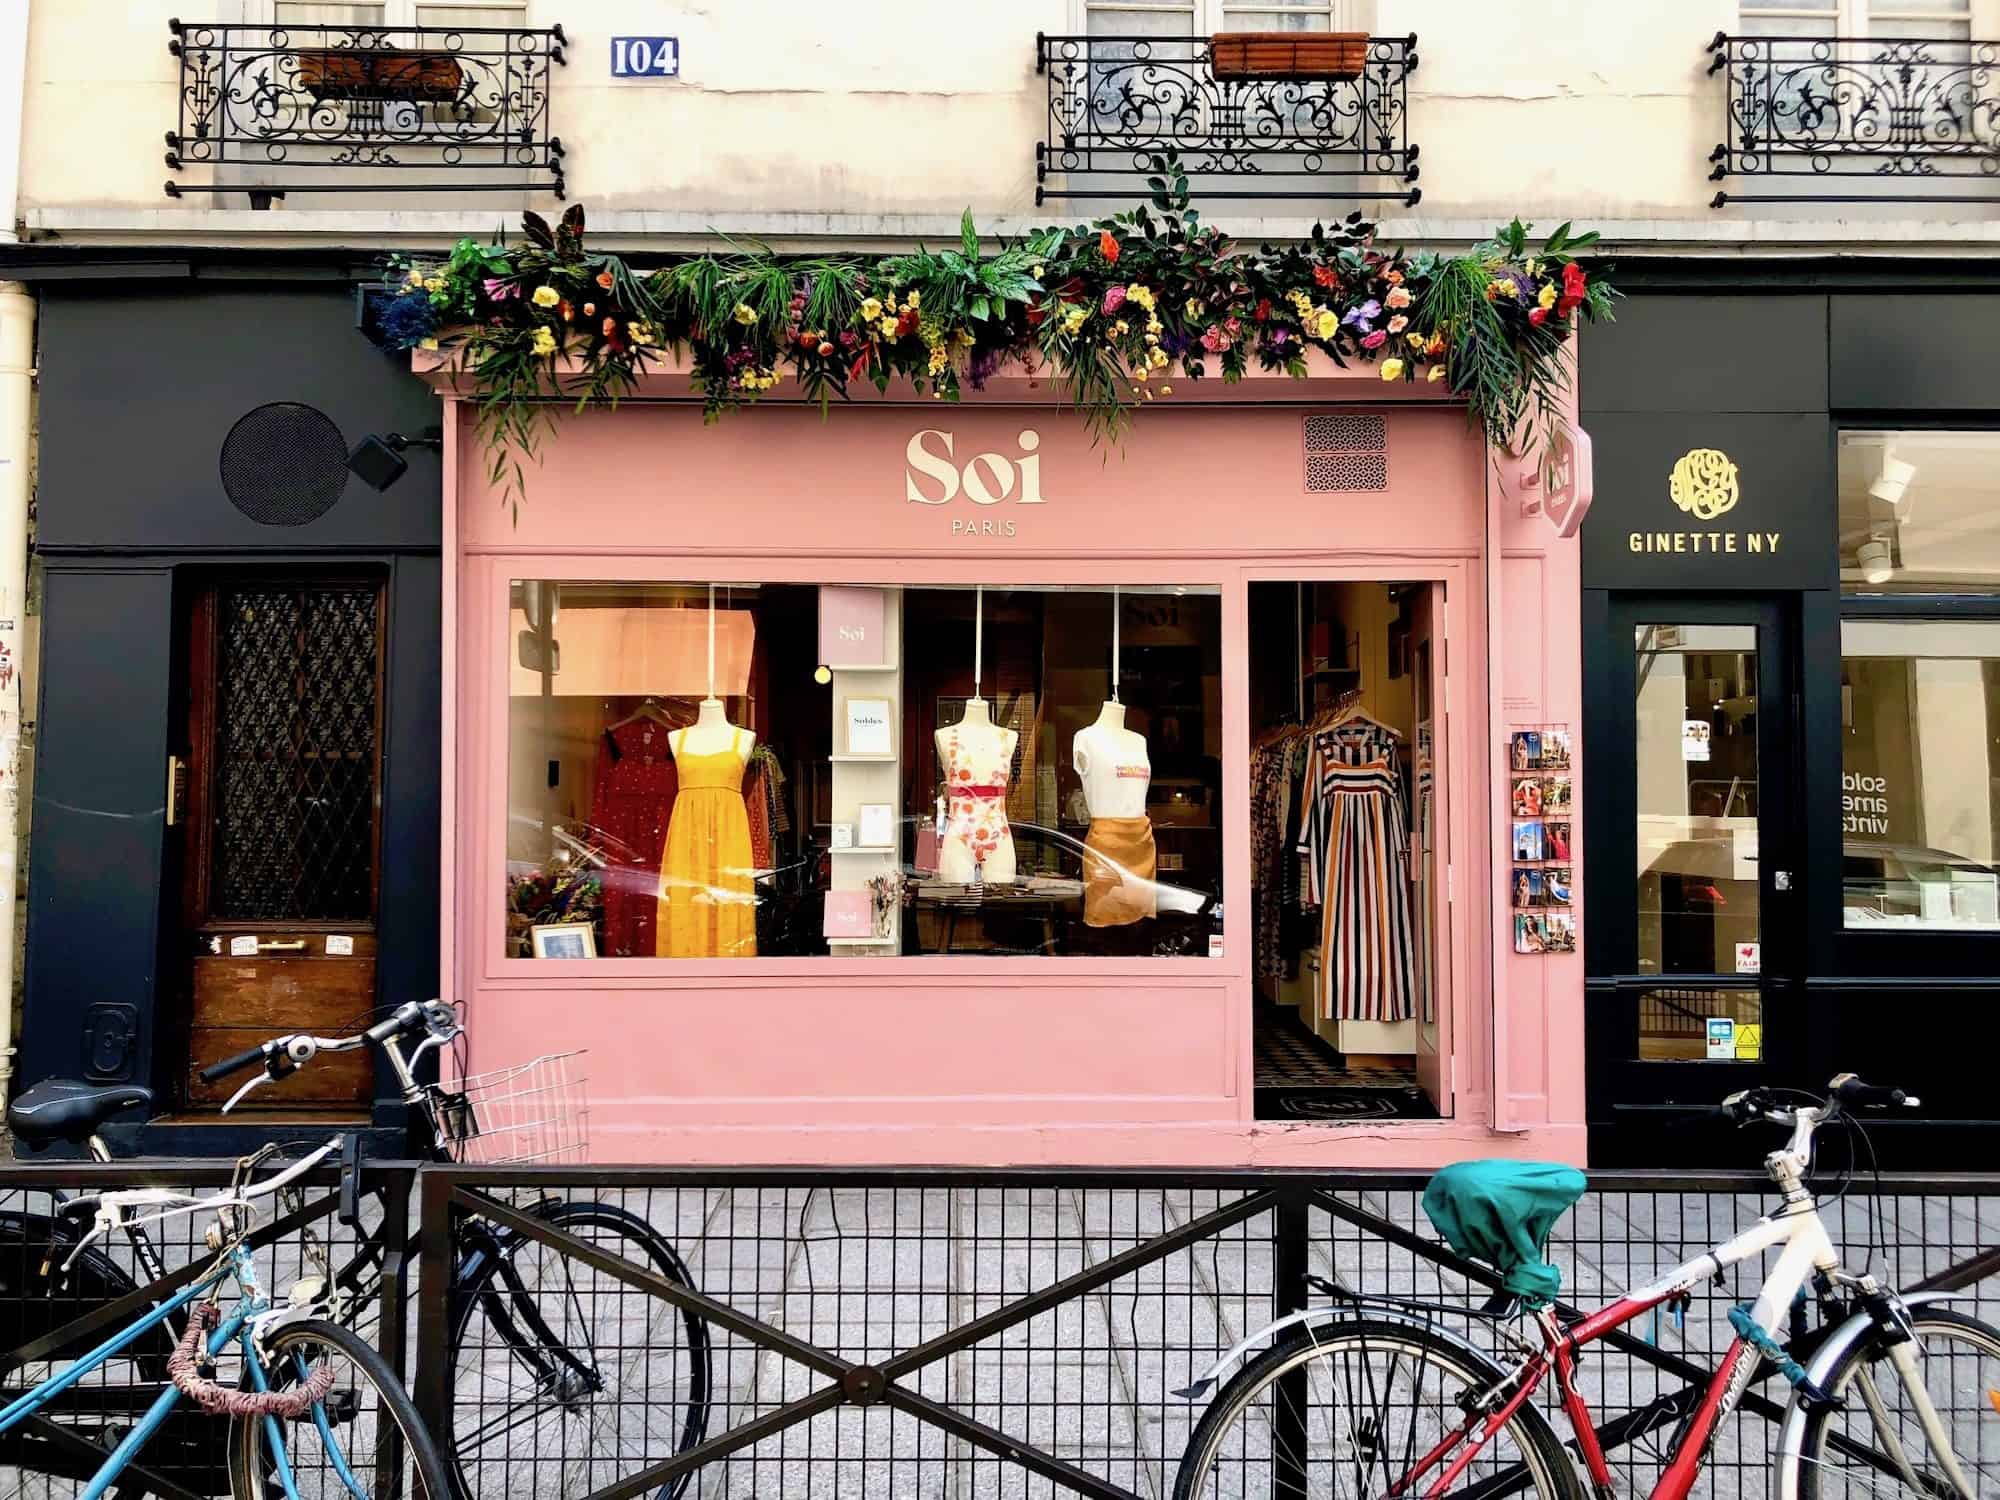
<point>1695,884</point>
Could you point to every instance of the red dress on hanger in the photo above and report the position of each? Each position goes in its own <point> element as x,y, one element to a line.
<point>636,784</point>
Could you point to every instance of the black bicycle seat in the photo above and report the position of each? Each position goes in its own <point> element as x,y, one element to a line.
<point>61,1109</point>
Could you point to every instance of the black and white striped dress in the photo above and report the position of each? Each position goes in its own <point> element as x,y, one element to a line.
<point>1355,840</point>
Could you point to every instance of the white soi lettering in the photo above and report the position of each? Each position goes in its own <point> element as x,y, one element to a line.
<point>985,478</point>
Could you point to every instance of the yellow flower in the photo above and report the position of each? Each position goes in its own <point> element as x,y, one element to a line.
<point>1158,358</point>
<point>642,333</point>
<point>429,343</point>
<point>1075,318</point>
<point>1118,328</point>
<point>545,341</point>
<point>871,309</point>
<point>1436,374</point>
<point>415,278</point>
<point>1036,271</point>
<point>1392,369</point>
<point>1533,268</point>
<point>1417,342</point>
<point>745,314</point>
<point>940,357</point>
<point>1144,375</point>
<point>1325,323</point>
<point>888,328</point>
<point>1547,297</point>
<point>546,296</point>
<point>1195,308</point>
<point>433,283</point>
<point>911,301</point>
<point>1166,390</point>
<point>1143,295</point>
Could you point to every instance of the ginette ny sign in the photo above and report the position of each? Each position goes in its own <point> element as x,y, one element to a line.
<point>1692,500</point>
<point>981,490</point>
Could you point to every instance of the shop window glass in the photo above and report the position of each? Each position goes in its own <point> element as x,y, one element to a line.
<point>1920,774</point>
<point>1682,1024</point>
<point>802,770</point>
<point>1699,897</point>
<point>1919,512</point>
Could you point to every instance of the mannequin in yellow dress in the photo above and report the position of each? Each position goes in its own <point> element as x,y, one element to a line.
<point>708,894</point>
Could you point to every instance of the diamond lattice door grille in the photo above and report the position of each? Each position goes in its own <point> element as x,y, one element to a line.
<point>298,669</point>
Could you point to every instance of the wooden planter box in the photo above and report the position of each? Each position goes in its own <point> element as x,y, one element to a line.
<point>387,74</point>
<point>1341,55</point>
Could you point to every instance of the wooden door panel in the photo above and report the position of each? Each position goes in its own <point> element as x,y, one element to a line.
<point>335,1080</point>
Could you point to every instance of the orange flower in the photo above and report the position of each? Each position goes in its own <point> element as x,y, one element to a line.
<point>606,280</point>
<point>1394,278</point>
<point>1107,246</point>
<point>1326,276</point>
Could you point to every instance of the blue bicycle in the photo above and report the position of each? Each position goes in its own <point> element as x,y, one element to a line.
<point>315,1412</point>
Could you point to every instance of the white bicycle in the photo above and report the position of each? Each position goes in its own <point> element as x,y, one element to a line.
<point>1376,1397</point>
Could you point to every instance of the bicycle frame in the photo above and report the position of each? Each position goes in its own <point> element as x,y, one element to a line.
<point>235,1327</point>
<point>1797,1227</point>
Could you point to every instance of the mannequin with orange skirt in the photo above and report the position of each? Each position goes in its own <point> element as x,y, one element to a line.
<point>708,893</point>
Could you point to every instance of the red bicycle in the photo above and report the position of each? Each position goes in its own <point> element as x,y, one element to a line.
<point>1377,1398</point>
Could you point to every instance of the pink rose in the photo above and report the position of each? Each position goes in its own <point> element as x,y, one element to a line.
<point>1398,323</point>
<point>1398,297</point>
<point>1214,340</point>
<point>1375,340</point>
<point>1114,299</point>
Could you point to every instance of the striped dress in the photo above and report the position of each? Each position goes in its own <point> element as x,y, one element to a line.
<point>1355,842</point>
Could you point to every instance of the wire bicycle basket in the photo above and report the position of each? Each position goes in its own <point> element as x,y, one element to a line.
<point>536,1111</point>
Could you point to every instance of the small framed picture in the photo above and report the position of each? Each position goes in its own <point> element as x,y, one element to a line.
<point>565,940</point>
<point>1555,886</point>
<point>1528,843</point>
<point>869,728</point>
<point>1559,932</point>
<point>1555,843</point>
<point>1555,749</point>
<point>1530,936</point>
<point>1528,797</point>
<point>1528,887</point>
<point>843,835</point>
<point>878,825</point>
<point>1556,795</point>
<point>1527,750</point>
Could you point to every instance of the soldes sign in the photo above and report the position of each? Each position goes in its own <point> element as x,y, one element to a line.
<point>934,475</point>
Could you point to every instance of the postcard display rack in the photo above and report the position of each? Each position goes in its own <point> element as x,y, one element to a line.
<point>861,644</point>
<point>1541,798</point>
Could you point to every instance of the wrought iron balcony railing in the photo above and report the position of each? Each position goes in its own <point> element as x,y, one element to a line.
<point>1117,102</point>
<point>277,109</point>
<point>1917,118</point>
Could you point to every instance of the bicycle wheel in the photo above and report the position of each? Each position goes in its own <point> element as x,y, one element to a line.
<point>1349,1408</point>
<point>1851,1451</point>
<point>565,1377</point>
<point>362,1439</point>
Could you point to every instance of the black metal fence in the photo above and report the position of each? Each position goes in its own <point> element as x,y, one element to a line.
<point>1118,103</point>
<point>1858,119</point>
<point>925,1333</point>
<point>272,110</point>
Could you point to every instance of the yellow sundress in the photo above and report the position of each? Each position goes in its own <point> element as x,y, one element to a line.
<point>708,892</point>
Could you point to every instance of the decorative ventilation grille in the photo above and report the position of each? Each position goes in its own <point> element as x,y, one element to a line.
<point>296,739</point>
<point>284,464</point>
<point>1346,451</point>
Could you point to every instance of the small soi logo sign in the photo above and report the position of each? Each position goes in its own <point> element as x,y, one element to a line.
<point>934,475</point>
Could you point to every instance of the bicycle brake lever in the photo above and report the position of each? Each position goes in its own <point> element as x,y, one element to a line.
<point>236,1098</point>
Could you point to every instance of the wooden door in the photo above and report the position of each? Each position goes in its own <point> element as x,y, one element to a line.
<point>1430,848</point>
<point>280,827</point>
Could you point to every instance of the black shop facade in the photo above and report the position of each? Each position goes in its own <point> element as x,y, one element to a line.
<point>1791,627</point>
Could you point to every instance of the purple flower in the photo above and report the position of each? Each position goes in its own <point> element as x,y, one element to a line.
<point>1522,282</point>
<point>1280,337</point>
<point>1362,317</point>
<point>499,291</point>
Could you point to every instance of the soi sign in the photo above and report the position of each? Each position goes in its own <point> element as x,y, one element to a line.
<point>933,475</point>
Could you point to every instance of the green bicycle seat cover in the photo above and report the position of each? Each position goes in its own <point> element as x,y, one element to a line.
<point>1501,1212</point>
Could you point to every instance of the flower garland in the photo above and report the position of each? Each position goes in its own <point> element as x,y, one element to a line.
<point>1112,311</point>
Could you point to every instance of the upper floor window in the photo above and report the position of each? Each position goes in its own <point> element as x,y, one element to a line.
<point>399,13</point>
<point>1929,19</point>
<point>1205,17</point>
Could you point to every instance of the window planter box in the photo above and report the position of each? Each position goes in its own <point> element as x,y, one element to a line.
<point>386,74</point>
<point>1340,55</point>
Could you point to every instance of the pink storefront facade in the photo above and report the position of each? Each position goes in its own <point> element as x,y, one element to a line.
<point>852,1055</point>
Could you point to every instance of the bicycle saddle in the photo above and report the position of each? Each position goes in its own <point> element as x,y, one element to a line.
<point>61,1109</point>
<point>1502,1212</point>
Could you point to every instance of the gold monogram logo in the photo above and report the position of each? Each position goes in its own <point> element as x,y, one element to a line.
<point>1704,483</point>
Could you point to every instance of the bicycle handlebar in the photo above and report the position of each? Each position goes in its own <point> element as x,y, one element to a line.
<point>215,1072</point>
<point>1855,1094</point>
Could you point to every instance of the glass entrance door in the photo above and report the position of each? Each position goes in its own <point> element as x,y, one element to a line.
<point>1696,889</point>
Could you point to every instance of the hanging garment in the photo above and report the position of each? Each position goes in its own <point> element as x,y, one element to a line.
<point>708,893</point>
<point>631,805</point>
<point>1359,742</point>
<point>977,813</point>
<point>1367,948</point>
<point>1119,862</point>
<point>761,801</point>
<point>1271,851</point>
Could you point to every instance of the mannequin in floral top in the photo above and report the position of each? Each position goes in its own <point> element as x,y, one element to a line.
<point>978,757</point>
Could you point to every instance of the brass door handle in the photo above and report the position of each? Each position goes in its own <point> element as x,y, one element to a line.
<point>296,945</point>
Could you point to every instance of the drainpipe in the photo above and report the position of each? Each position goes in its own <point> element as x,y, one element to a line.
<point>17,374</point>
<point>17,354</point>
